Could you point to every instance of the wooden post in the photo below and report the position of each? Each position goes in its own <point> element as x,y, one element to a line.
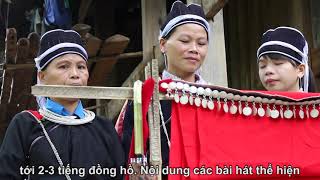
<point>214,68</point>
<point>315,16</point>
<point>155,137</point>
<point>315,52</point>
<point>301,18</point>
<point>153,14</point>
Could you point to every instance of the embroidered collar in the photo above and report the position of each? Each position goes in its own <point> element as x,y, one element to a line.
<point>66,120</point>
<point>167,75</point>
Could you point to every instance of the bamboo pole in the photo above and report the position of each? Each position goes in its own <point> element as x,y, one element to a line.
<point>155,137</point>
<point>137,112</point>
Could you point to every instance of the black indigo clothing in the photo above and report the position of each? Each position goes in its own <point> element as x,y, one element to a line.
<point>81,146</point>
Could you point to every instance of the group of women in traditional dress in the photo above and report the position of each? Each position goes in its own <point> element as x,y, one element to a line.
<point>62,133</point>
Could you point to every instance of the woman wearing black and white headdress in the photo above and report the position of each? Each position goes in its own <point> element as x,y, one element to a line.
<point>62,135</point>
<point>283,61</point>
<point>184,42</point>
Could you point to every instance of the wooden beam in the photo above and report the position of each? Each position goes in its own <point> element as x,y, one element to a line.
<point>215,8</point>
<point>85,92</point>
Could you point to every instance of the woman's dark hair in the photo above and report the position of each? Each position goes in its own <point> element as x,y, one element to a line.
<point>275,56</point>
<point>170,33</point>
<point>312,83</point>
<point>173,30</point>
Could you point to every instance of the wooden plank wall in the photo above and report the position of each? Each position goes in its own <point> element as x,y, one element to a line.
<point>15,91</point>
<point>315,51</point>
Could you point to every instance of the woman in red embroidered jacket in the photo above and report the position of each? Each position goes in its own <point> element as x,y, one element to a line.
<point>62,140</point>
<point>283,61</point>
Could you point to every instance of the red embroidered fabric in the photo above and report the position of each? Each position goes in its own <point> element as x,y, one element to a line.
<point>226,143</point>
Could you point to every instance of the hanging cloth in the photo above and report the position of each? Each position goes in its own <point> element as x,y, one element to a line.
<point>253,129</point>
<point>57,13</point>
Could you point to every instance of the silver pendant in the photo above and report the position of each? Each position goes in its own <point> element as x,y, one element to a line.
<point>301,114</point>
<point>314,113</point>
<point>176,98</point>
<point>210,105</point>
<point>261,112</point>
<point>200,90</point>
<point>288,114</point>
<point>281,113</point>
<point>184,99</point>
<point>233,109</point>
<point>172,85</point>
<point>307,113</point>
<point>240,108</point>
<point>268,112</point>
<point>204,103</point>
<point>191,100</point>
<point>274,114</point>
<point>247,111</point>
<point>179,85</point>
<point>219,105</point>
<point>225,108</point>
<point>254,111</point>
<point>197,101</point>
<point>164,85</point>
<point>193,89</point>
<point>186,87</point>
<point>207,92</point>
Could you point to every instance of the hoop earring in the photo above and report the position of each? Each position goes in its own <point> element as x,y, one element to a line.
<point>165,60</point>
<point>300,84</point>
